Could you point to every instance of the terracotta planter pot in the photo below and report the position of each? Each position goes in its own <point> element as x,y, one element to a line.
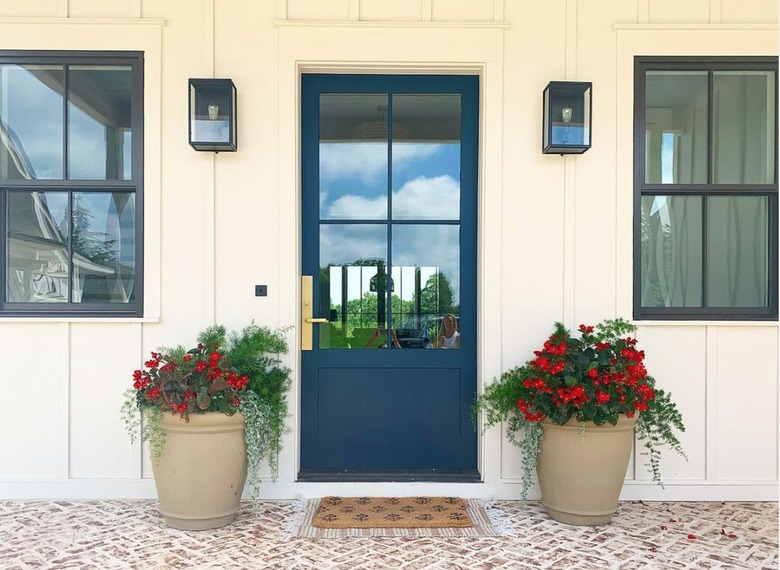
<point>581,471</point>
<point>201,474</point>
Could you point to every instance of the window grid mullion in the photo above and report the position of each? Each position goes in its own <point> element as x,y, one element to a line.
<point>66,177</point>
<point>70,247</point>
<point>134,307</point>
<point>3,247</point>
<point>704,252</point>
<point>709,180</point>
<point>706,191</point>
<point>388,289</point>
<point>65,127</point>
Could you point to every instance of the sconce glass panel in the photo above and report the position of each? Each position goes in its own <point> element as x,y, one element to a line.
<point>213,115</point>
<point>566,121</point>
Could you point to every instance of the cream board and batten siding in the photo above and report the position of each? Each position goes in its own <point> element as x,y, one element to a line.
<point>60,436</point>
<point>727,385</point>
<point>555,233</point>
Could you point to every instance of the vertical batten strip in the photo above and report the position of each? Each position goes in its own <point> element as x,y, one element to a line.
<point>137,448</point>
<point>571,40</point>
<point>63,8</point>
<point>498,10</point>
<point>426,10</point>
<point>570,181</point>
<point>209,183</point>
<point>63,399</point>
<point>354,10</point>
<point>135,9</point>
<point>643,11</point>
<point>281,10</point>
<point>715,12</point>
<point>711,404</point>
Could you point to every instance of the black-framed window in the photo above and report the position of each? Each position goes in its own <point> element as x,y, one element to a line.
<point>705,180</point>
<point>71,172</point>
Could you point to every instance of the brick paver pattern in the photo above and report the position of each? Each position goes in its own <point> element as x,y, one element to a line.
<point>125,534</point>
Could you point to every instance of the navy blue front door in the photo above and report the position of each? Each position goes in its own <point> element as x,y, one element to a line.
<point>389,206</point>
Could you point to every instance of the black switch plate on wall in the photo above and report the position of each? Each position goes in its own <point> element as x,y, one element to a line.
<point>261,290</point>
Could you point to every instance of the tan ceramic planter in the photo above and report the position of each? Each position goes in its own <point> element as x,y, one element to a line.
<point>202,472</point>
<point>581,472</point>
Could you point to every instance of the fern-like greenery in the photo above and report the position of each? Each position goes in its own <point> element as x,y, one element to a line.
<point>254,352</point>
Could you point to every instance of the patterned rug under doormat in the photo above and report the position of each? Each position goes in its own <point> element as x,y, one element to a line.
<point>337,517</point>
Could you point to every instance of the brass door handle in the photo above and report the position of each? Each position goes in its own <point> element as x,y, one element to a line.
<point>307,313</point>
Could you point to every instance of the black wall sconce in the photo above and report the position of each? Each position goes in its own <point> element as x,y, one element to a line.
<point>213,115</point>
<point>566,122</point>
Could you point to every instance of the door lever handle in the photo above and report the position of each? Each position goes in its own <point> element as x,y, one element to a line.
<point>307,312</point>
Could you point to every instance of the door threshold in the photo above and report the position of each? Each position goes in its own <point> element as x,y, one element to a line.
<point>389,475</point>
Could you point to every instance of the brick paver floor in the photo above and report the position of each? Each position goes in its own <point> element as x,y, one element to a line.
<point>107,535</point>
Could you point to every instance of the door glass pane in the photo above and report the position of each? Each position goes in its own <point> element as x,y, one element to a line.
<point>426,157</point>
<point>353,156</point>
<point>103,247</point>
<point>737,251</point>
<point>37,255</point>
<point>426,274</point>
<point>676,127</point>
<point>31,122</point>
<point>99,111</point>
<point>353,285</point>
<point>671,253</point>
<point>744,127</point>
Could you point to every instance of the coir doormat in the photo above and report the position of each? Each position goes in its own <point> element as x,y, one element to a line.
<point>334,517</point>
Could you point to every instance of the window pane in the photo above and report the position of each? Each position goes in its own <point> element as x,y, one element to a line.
<point>744,127</point>
<point>426,157</point>
<point>676,127</point>
<point>99,111</point>
<point>737,251</point>
<point>353,156</point>
<point>103,247</point>
<point>353,285</point>
<point>31,122</point>
<point>37,250</point>
<point>671,251</point>
<point>426,274</point>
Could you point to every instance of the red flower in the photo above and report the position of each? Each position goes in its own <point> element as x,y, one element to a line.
<point>169,385</point>
<point>602,397</point>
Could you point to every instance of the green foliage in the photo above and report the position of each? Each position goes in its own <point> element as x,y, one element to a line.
<point>238,371</point>
<point>655,427</point>
<point>154,433</point>
<point>149,429</point>
<point>255,351</point>
<point>594,378</point>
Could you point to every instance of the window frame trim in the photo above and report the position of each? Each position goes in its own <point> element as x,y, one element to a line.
<point>643,64</point>
<point>135,60</point>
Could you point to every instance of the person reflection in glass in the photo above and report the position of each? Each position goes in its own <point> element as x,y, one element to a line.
<point>449,337</point>
<point>380,333</point>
